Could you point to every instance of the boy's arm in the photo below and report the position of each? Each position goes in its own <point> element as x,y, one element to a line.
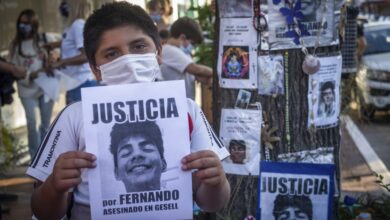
<point>199,70</point>
<point>210,187</point>
<point>50,199</point>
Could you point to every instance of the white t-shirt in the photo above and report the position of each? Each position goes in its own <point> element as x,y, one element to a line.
<point>174,62</point>
<point>67,134</point>
<point>32,61</point>
<point>72,42</point>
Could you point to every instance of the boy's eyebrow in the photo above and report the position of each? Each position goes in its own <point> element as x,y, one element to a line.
<point>138,40</point>
<point>135,41</point>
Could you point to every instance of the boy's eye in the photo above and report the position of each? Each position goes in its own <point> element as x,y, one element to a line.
<point>111,54</point>
<point>139,48</point>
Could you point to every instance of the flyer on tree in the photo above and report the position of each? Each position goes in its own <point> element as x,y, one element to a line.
<point>240,133</point>
<point>295,191</point>
<point>139,139</point>
<point>324,93</point>
<point>294,24</point>
<point>237,60</point>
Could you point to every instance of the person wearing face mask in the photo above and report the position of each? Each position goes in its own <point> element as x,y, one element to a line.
<point>26,51</point>
<point>177,62</point>
<point>122,46</point>
<point>73,61</point>
<point>159,11</point>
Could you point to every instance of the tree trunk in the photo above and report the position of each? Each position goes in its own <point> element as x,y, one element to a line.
<point>289,113</point>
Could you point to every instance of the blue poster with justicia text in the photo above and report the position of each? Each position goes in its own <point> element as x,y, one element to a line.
<point>295,191</point>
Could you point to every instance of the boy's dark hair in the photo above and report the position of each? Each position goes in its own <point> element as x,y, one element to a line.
<point>240,143</point>
<point>301,202</point>
<point>113,15</point>
<point>164,34</point>
<point>190,28</point>
<point>327,85</point>
<point>148,129</point>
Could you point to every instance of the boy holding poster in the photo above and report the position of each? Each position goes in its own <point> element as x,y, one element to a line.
<point>118,37</point>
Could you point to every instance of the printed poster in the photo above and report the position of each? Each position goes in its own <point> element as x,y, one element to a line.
<point>235,8</point>
<point>237,61</point>
<point>139,140</point>
<point>240,133</point>
<point>324,93</point>
<point>295,191</point>
<point>309,16</point>
<point>271,75</point>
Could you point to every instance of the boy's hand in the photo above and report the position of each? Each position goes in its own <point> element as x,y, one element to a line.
<point>66,172</point>
<point>210,170</point>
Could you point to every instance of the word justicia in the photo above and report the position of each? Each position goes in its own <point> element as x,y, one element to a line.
<point>138,110</point>
<point>295,186</point>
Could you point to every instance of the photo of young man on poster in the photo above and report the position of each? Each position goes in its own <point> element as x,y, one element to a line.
<point>237,150</point>
<point>138,154</point>
<point>327,100</point>
<point>288,207</point>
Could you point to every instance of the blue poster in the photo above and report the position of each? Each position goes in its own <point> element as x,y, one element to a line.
<point>295,191</point>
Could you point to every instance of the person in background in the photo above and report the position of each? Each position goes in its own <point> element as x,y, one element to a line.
<point>73,61</point>
<point>176,64</point>
<point>159,11</point>
<point>26,50</point>
<point>15,71</point>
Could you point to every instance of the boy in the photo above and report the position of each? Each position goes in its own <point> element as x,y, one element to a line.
<point>116,37</point>
<point>176,64</point>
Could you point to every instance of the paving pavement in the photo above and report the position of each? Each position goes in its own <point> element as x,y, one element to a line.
<point>377,132</point>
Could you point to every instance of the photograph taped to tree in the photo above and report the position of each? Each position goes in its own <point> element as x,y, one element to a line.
<point>134,137</point>
<point>237,63</point>
<point>309,20</point>
<point>243,99</point>
<point>240,132</point>
<point>271,75</point>
<point>324,93</point>
<point>295,191</point>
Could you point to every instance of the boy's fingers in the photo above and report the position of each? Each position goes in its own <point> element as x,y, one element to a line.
<point>78,154</point>
<point>201,163</point>
<point>207,173</point>
<point>197,155</point>
<point>70,173</point>
<point>78,163</point>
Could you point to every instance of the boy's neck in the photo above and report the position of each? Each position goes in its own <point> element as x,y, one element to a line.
<point>174,41</point>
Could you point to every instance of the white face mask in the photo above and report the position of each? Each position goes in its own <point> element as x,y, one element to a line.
<point>130,68</point>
